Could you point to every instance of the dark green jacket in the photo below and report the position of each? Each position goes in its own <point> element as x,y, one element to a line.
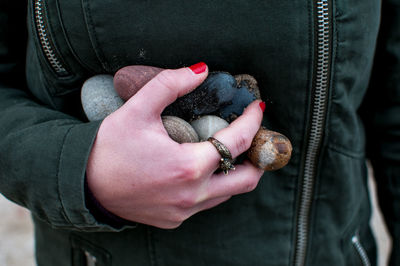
<point>317,63</point>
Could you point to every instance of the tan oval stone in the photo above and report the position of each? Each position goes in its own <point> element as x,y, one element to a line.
<point>179,130</point>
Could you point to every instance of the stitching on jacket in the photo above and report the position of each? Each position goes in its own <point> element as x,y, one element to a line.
<point>67,40</point>
<point>58,176</point>
<point>151,247</point>
<point>93,34</point>
<point>347,153</point>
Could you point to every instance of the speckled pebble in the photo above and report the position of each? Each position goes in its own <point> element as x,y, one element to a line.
<point>270,150</point>
<point>99,99</point>
<point>179,130</point>
<point>208,125</point>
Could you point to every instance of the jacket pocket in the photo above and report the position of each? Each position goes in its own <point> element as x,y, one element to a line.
<point>85,253</point>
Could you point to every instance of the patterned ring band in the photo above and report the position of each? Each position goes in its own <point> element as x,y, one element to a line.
<point>226,162</point>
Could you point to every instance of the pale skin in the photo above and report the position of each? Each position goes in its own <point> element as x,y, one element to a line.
<point>136,171</point>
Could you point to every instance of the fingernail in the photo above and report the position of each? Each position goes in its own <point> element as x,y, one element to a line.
<point>198,68</point>
<point>262,106</point>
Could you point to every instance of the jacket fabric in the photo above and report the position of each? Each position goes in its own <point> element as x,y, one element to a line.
<point>328,70</point>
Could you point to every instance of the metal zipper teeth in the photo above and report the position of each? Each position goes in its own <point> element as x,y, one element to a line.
<point>45,41</point>
<point>316,130</point>
<point>361,251</point>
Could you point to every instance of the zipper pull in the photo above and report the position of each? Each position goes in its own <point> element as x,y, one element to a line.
<point>90,259</point>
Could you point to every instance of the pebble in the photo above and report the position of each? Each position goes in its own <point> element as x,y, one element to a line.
<point>179,130</point>
<point>208,125</point>
<point>246,93</point>
<point>270,150</point>
<point>128,80</point>
<point>98,97</point>
<point>214,93</point>
<point>243,97</point>
<point>250,82</point>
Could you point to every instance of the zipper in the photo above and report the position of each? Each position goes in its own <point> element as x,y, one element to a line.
<point>45,42</point>
<point>360,250</point>
<point>315,134</point>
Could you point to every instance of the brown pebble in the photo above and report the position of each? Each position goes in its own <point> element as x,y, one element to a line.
<point>270,150</point>
<point>128,80</point>
<point>251,84</point>
<point>179,130</point>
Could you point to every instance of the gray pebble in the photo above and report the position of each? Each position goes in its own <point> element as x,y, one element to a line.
<point>99,98</point>
<point>208,125</point>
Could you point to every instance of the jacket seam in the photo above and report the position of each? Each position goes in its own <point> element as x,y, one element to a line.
<point>350,154</point>
<point>151,247</point>
<point>93,34</point>
<point>67,40</point>
<point>58,177</point>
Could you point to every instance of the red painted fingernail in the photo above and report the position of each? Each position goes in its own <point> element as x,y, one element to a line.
<point>198,68</point>
<point>262,106</point>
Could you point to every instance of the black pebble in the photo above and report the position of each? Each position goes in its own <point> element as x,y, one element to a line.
<point>216,92</point>
<point>240,101</point>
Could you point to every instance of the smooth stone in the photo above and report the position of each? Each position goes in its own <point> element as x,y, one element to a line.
<point>247,92</point>
<point>130,79</point>
<point>243,97</point>
<point>98,97</point>
<point>208,125</point>
<point>209,97</point>
<point>269,150</point>
<point>179,130</point>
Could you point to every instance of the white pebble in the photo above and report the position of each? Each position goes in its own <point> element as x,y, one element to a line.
<point>208,125</point>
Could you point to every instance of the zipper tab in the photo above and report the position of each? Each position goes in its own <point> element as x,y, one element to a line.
<point>45,42</point>
<point>360,250</point>
<point>320,92</point>
<point>90,259</point>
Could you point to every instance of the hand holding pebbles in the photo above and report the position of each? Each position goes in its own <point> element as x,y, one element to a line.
<point>220,94</point>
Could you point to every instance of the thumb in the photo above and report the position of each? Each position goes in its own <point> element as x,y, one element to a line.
<point>167,86</point>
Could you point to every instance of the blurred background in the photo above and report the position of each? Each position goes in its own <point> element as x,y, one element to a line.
<point>17,245</point>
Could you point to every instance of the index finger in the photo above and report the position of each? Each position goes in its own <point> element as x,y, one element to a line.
<point>166,87</point>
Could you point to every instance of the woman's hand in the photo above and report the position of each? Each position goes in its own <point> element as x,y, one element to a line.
<point>136,171</point>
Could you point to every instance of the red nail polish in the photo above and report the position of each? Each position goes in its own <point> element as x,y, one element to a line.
<point>198,68</point>
<point>262,106</point>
